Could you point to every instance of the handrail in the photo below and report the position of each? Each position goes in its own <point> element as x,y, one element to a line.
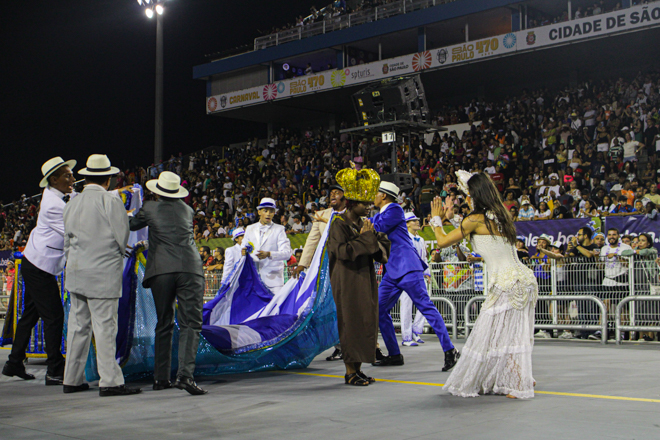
<point>640,328</point>
<point>603,315</point>
<point>344,21</point>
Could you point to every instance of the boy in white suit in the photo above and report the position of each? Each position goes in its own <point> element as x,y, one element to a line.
<point>232,254</point>
<point>410,330</point>
<point>96,234</point>
<point>271,246</point>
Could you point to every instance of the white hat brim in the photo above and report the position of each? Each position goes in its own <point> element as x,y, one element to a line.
<point>44,182</point>
<point>110,172</point>
<point>151,186</point>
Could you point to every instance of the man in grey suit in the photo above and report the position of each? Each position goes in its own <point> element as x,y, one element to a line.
<point>174,271</point>
<point>95,238</point>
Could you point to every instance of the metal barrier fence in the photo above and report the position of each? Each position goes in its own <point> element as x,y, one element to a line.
<point>556,302</point>
<point>641,316</point>
<point>5,293</point>
<point>576,294</point>
<point>214,281</point>
<point>345,21</point>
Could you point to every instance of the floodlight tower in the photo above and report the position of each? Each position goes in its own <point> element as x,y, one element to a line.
<point>155,8</point>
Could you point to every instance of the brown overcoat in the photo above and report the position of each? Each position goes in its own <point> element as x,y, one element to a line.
<point>354,287</point>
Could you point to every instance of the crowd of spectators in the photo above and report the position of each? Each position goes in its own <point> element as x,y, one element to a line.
<point>582,151</point>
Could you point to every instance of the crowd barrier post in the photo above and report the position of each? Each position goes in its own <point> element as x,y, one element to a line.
<point>632,327</point>
<point>553,291</point>
<point>631,287</point>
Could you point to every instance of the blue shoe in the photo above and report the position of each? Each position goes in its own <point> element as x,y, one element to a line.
<point>409,344</point>
<point>417,338</point>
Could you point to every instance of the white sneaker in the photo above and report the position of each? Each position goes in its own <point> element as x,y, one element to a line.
<point>542,334</point>
<point>595,336</point>
<point>409,344</point>
<point>417,338</point>
<point>566,335</point>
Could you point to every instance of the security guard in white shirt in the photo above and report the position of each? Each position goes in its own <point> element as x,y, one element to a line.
<point>43,260</point>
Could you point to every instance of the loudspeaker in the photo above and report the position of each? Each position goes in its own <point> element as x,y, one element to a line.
<point>403,181</point>
<point>391,100</point>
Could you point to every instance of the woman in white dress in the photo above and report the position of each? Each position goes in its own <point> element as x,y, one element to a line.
<point>497,357</point>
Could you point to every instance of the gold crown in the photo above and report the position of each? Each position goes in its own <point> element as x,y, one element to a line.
<point>360,185</point>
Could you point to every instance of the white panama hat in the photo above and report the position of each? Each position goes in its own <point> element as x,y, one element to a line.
<point>98,165</point>
<point>237,233</point>
<point>410,216</point>
<point>267,202</point>
<point>168,184</point>
<point>389,188</point>
<point>52,165</point>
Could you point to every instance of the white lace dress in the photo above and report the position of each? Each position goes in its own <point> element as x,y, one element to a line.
<point>497,357</point>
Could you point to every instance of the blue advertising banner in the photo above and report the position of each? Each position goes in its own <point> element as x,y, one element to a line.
<point>5,256</point>
<point>560,230</point>
<point>634,225</point>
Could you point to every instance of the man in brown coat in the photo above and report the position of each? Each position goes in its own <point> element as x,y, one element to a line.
<point>353,246</point>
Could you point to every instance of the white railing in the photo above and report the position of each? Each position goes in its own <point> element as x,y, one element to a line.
<point>330,24</point>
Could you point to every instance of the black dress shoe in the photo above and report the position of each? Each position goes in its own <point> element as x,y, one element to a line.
<point>54,380</point>
<point>451,357</point>
<point>11,371</point>
<point>162,385</point>
<point>121,390</point>
<point>75,388</point>
<point>335,356</point>
<point>379,354</point>
<point>186,383</point>
<point>389,361</point>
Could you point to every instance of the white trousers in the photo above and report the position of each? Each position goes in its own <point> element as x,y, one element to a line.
<point>408,326</point>
<point>99,315</point>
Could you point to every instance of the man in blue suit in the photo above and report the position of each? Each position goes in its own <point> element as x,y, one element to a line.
<point>403,271</point>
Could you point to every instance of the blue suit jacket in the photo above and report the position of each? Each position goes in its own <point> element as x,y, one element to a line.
<point>403,255</point>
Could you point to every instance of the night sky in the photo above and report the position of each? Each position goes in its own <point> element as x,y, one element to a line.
<point>78,77</point>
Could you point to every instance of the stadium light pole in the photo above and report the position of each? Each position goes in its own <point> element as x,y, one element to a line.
<point>155,8</point>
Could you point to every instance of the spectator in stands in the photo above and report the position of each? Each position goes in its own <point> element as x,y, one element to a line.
<point>543,213</point>
<point>205,254</point>
<point>526,212</point>
<point>582,252</point>
<point>218,260</point>
<point>645,255</point>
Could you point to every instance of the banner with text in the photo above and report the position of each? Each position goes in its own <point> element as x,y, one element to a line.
<point>560,230</point>
<point>5,257</point>
<point>595,26</point>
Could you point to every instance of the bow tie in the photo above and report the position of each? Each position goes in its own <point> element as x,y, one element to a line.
<point>417,238</point>
<point>66,198</point>
<point>264,228</point>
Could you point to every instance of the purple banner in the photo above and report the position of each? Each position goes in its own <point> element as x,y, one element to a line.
<point>635,225</point>
<point>5,256</point>
<point>560,230</point>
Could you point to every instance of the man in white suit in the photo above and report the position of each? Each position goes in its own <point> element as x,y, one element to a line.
<point>96,234</point>
<point>271,246</point>
<point>42,261</point>
<point>321,221</point>
<point>232,254</point>
<point>411,331</point>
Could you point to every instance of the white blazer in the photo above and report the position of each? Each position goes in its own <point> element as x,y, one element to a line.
<point>45,247</point>
<point>232,255</point>
<point>275,241</point>
<point>96,226</point>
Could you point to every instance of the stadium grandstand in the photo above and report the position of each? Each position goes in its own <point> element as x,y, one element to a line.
<point>542,95</point>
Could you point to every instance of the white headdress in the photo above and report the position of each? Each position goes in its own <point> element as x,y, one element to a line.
<point>463,177</point>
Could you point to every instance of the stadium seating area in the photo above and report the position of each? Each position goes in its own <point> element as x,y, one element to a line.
<point>582,151</point>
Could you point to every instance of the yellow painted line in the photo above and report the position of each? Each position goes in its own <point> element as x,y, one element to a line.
<point>431,384</point>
